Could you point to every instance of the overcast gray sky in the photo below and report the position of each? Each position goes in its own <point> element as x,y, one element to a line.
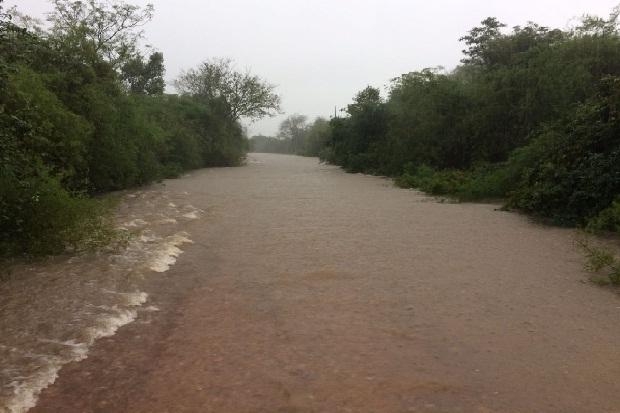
<point>321,52</point>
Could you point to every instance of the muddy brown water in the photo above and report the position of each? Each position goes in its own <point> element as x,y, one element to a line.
<point>299,288</point>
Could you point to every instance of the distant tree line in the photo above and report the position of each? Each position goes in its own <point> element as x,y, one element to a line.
<point>83,111</point>
<point>295,136</point>
<point>530,116</point>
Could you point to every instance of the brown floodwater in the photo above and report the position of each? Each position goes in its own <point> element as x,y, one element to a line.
<point>53,311</point>
<point>289,286</point>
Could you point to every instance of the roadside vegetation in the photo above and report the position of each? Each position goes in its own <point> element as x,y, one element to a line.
<point>530,117</point>
<point>601,261</point>
<point>83,111</point>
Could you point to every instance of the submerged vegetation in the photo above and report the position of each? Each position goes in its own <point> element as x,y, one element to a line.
<point>83,111</point>
<point>531,116</point>
<point>601,262</point>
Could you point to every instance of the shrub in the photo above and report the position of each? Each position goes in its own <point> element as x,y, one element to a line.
<point>602,263</point>
<point>426,179</point>
<point>487,182</point>
<point>38,217</point>
<point>531,115</point>
<point>575,169</point>
<point>607,220</point>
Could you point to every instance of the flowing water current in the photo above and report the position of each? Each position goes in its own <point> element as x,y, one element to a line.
<point>52,312</point>
<point>303,288</point>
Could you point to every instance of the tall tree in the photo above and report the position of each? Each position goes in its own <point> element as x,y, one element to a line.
<point>478,40</point>
<point>317,136</point>
<point>110,29</point>
<point>246,95</point>
<point>144,77</point>
<point>294,128</point>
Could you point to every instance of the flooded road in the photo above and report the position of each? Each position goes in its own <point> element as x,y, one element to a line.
<point>53,311</point>
<point>290,286</point>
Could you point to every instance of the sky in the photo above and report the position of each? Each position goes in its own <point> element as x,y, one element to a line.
<point>320,53</point>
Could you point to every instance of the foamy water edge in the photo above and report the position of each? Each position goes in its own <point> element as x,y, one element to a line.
<point>26,392</point>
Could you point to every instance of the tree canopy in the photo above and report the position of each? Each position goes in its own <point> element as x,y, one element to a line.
<point>245,95</point>
<point>109,29</point>
<point>529,116</point>
<point>82,112</point>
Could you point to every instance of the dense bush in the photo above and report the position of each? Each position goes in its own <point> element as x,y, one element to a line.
<point>529,116</point>
<point>40,216</point>
<point>82,112</point>
<point>576,170</point>
<point>608,220</point>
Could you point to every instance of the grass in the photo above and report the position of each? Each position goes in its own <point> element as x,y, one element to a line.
<point>601,262</point>
<point>481,184</point>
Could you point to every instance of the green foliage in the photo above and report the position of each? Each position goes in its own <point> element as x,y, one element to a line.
<point>39,216</point>
<point>99,30</point>
<point>530,116</point>
<point>145,77</point>
<point>425,178</point>
<point>608,220</point>
<point>317,135</point>
<point>40,123</point>
<point>602,262</point>
<point>243,94</point>
<point>488,182</point>
<point>576,168</point>
<point>81,113</point>
<point>479,40</point>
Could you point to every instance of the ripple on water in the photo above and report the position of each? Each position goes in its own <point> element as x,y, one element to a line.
<point>52,313</point>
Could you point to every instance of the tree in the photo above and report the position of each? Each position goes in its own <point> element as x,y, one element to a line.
<point>317,136</point>
<point>478,39</point>
<point>109,29</point>
<point>294,128</point>
<point>82,112</point>
<point>595,25</point>
<point>246,95</point>
<point>144,77</point>
<point>5,26</point>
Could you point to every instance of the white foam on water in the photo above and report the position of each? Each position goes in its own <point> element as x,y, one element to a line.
<point>193,212</point>
<point>148,236</point>
<point>26,391</point>
<point>108,325</point>
<point>148,251</point>
<point>166,221</point>
<point>191,215</point>
<point>135,223</point>
<point>134,299</point>
<point>166,254</point>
